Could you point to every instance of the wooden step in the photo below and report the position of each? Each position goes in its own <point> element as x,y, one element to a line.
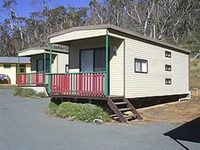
<point>128,117</point>
<point>125,109</point>
<point>120,103</point>
<point>117,98</point>
<point>113,115</point>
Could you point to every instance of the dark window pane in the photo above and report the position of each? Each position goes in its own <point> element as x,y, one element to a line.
<point>87,60</point>
<point>47,65</point>
<point>168,67</point>
<point>40,65</point>
<point>168,54</point>
<point>168,81</point>
<point>100,60</point>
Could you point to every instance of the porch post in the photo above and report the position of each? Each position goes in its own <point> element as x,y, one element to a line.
<point>50,69</point>
<point>17,68</point>
<point>107,64</point>
<point>44,61</point>
<point>17,64</point>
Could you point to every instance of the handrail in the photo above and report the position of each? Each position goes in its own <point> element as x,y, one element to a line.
<point>79,84</point>
<point>30,79</point>
<point>83,72</point>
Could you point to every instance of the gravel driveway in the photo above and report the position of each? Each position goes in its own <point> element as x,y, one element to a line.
<point>24,125</point>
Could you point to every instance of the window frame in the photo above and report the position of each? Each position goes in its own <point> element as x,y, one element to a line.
<point>167,81</point>
<point>168,54</point>
<point>168,67</point>
<point>140,61</point>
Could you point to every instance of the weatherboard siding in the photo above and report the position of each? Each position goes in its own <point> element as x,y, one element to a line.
<point>63,59</point>
<point>153,83</point>
<point>116,67</point>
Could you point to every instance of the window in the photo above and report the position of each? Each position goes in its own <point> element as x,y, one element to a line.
<point>168,68</point>
<point>40,65</point>
<point>141,65</point>
<point>168,81</point>
<point>22,68</point>
<point>99,60</point>
<point>168,54</point>
<point>93,60</point>
<point>7,66</point>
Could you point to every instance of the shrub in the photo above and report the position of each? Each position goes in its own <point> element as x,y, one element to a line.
<point>53,107</point>
<point>82,112</point>
<point>17,91</point>
<point>42,95</point>
<point>24,92</point>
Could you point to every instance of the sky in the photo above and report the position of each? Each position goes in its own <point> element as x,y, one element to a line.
<point>25,7</point>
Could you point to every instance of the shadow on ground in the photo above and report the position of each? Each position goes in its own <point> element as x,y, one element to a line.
<point>187,132</point>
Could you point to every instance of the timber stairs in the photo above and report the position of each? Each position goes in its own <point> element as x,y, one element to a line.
<point>122,109</point>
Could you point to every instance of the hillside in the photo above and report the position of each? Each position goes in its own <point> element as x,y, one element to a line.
<point>195,75</point>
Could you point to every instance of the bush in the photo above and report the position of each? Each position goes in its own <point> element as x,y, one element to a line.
<point>17,91</point>
<point>24,92</point>
<point>53,107</point>
<point>28,92</point>
<point>82,112</point>
<point>42,95</point>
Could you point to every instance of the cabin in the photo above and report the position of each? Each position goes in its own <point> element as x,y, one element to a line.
<point>110,63</point>
<point>11,66</point>
<point>40,66</point>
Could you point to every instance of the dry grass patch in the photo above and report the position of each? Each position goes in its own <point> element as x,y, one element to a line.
<point>175,112</point>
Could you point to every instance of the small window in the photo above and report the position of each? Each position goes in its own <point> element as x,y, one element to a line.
<point>168,54</point>
<point>7,66</point>
<point>168,81</point>
<point>22,69</point>
<point>141,65</point>
<point>168,68</point>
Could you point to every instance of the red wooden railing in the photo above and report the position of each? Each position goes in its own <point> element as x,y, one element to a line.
<point>31,79</point>
<point>79,84</point>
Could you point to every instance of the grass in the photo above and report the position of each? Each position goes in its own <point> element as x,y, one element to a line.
<point>24,92</point>
<point>42,95</point>
<point>53,107</point>
<point>83,112</point>
<point>27,92</point>
<point>195,74</point>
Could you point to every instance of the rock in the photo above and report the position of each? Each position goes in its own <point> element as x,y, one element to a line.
<point>98,121</point>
